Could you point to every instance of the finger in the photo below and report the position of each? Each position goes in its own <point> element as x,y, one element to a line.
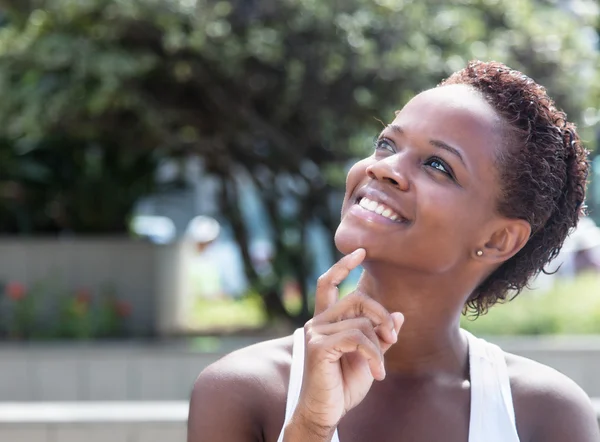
<point>363,324</point>
<point>358,305</point>
<point>333,347</point>
<point>398,319</point>
<point>375,315</point>
<point>327,291</point>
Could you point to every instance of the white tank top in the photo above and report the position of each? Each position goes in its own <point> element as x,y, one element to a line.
<point>492,414</point>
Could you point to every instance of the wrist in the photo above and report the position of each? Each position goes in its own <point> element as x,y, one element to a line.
<point>301,428</point>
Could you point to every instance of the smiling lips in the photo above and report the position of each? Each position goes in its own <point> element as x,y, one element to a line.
<point>379,208</point>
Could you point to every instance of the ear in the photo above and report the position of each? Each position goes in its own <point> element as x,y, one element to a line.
<point>507,238</point>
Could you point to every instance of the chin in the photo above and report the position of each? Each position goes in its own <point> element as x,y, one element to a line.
<point>347,239</point>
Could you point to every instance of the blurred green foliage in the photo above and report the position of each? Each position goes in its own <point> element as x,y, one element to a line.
<point>226,314</point>
<point>571,306</point>
<point>95,92</point>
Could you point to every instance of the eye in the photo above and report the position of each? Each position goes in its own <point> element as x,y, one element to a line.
<point>384,144</point>
<point>440,165</point>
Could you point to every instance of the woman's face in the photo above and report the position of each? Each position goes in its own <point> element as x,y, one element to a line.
<point>425,196</point>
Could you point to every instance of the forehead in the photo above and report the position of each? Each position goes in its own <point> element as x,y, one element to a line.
<point>457,115</point>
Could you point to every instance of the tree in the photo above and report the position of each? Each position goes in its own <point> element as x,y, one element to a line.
<point>283,92</point>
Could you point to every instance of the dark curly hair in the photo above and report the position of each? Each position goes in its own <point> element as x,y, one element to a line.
<point>543,174</point>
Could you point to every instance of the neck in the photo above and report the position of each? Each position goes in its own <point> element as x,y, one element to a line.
<point>430,341</point>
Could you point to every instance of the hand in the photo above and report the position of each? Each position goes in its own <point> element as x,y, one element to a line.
<point>344,346</point>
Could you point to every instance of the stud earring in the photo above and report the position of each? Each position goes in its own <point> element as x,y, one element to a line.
<point>479,252</point>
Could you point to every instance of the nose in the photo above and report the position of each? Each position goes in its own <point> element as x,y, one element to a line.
<point>389,171</point>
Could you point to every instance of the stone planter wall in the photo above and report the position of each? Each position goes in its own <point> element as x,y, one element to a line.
<point>144,274</point>
<point>166,371</point>
<point>94,421</point>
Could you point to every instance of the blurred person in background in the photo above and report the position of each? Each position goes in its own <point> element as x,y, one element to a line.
<point>469,193</point>
<point>580,253</point>
<point>214,266</point>
<point>585,245</point>
<point>203,272</point>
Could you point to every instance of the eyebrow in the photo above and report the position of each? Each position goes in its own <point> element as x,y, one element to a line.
<point>436,143</point>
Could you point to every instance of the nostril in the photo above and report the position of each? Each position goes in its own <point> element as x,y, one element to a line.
<point>393,181</point>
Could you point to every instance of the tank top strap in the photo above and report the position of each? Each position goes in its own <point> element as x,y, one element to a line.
<point>295,383</point>
<point>296,373</point>
<point>492,411</point>
<point>499,361</point>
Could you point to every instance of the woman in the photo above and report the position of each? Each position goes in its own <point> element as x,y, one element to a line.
<point>468,194</point>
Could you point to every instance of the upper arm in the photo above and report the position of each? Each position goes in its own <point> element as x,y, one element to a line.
<point>223,406</point>
<point>564,413</point>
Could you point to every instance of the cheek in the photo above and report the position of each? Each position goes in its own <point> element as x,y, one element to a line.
<point>347,238</point>
<point>455,215</point>
<point>356,174</point>
<point>358,171</point>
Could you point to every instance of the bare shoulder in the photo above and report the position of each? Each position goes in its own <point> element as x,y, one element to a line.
<point>264,365</point>
<point>549,406</point>
<point>241,394</point>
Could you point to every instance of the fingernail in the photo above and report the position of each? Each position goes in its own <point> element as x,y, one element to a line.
<point>395,334</point>
<point>383,370</point>
<point>356,252</point>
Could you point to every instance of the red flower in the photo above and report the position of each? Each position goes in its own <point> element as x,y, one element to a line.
<point>83,296</point>
<point>123,308</point>
<point>15,291</point>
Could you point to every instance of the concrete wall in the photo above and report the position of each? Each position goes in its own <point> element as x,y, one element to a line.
<point>143,274</point>
<point>98,373</point>
<point>167,370</point>
<point>93,422</point>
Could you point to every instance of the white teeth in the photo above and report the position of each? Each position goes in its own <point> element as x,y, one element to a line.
<point>380,209</point>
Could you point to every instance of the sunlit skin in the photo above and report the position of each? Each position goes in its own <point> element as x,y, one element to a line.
<point>436,166</point>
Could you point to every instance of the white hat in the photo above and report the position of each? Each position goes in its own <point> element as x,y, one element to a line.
<point>203,229</point>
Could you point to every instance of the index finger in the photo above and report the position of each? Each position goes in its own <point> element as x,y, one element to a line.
<point>327,292</point>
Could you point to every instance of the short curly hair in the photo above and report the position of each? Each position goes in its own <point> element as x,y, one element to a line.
<point>543,174</point>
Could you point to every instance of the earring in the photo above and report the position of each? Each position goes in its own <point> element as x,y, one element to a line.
<point>479,252</point>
